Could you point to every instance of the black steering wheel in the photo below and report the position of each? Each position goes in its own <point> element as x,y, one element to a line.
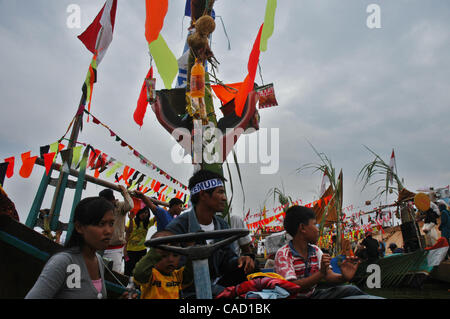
<point>197,252</point>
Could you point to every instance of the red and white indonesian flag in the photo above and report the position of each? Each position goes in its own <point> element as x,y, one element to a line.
<point>98,36</point>
<point>391,167</point>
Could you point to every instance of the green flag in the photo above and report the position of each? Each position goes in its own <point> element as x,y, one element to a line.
<point>268,24</point>
<point>113,169</point>
<point>165,61</point>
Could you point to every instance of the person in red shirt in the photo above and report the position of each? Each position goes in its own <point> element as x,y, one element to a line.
<point>303,263</point>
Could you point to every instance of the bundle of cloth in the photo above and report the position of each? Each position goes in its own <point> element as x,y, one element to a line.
<point>262,286</point>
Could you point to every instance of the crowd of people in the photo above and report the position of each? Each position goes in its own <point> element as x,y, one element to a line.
<point>101,233</point>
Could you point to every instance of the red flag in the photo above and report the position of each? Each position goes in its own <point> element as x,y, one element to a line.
<point>142,103</point>
<point>92,158</point>
<point>246,215</point>
<point>157,187</point>
<point>48,161</point>
<point>10,169</point>
<point>127,171</point>
<point>249,81</point>
<point>98,36</point>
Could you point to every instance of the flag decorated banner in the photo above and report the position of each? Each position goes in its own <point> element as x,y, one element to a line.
<point>266,95</point>
<point>98,35</point>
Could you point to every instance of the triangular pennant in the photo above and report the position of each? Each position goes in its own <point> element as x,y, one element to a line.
<point>3,169</point>
<point>66,159</point>
<point>76,155</point>
<point>92,157</point>
<point>44,150</point>
<point>56,147</point>
<point>48,161</point>
<point>113,169</point>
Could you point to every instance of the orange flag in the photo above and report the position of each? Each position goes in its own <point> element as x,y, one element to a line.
<point>28,164</point>
<point>127,173</point>
<point>154,20</point>
<point>226,93</point>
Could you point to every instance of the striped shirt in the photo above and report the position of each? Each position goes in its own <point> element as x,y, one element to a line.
<point>292,266</point>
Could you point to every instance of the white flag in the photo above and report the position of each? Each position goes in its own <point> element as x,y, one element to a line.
<point>391,168</point>
<point>325,180</point>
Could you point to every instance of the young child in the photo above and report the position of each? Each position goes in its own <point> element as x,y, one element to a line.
<point>136,232</point>
<point>158,275</point>
<point>303,263</point>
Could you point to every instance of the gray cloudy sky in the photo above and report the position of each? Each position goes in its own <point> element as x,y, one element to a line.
<point>339,85</point>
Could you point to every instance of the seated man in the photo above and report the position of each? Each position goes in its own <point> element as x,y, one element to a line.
<point>208,197</point>
<point>394,249</point>
<point>303,263</point>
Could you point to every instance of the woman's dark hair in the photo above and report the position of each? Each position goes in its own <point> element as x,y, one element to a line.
<point>295,216</point>
<point>89,211</point>
<point>201,176</point>
<point>138,219</point>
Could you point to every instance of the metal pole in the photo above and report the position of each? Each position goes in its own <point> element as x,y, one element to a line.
<point>201,279</point>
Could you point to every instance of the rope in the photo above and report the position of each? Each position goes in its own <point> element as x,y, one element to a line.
<point>112,274</point>
<point>225,31</point>
<point>260,73</point>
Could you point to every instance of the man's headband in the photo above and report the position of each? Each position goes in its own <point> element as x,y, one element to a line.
<point>205,185</point>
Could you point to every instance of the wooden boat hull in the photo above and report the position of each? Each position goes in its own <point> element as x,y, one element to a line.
<point>403,270</point>
<point>24,253</point>
<point>442,272</point>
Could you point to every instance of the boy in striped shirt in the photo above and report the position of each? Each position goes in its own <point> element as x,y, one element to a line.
<point>303,263</point>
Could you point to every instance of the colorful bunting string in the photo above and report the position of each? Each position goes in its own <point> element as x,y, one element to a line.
<point>143,159</point>
<point>98,162</point>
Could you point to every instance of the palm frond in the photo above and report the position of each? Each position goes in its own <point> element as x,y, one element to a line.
<point>378,167</point>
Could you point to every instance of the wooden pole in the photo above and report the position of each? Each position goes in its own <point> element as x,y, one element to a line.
<point>63,177</point>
